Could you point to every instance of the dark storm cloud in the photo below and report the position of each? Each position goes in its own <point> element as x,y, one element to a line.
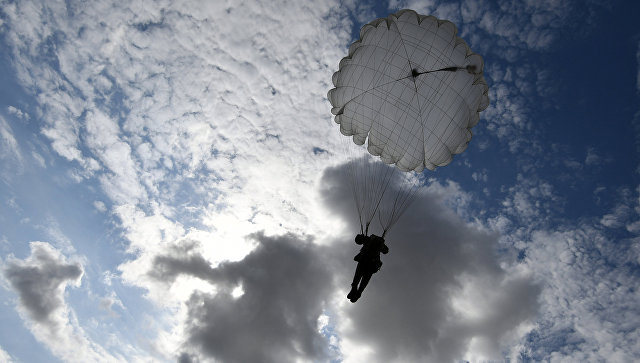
<point>406,313</point>
<point>40,280</point>
<point>286,282</point>
<point>181,259</point>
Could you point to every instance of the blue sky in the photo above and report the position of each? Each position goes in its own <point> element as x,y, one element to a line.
<point>160,183</point>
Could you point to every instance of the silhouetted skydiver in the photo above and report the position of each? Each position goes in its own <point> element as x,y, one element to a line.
<point>368,263</point>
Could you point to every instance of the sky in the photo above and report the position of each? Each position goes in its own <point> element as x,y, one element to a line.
<point>173,188</point>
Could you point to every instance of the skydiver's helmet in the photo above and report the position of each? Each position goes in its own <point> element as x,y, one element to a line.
<point>360,239</point>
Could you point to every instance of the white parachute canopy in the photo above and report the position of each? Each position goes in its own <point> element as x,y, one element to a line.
<point>413,90</point>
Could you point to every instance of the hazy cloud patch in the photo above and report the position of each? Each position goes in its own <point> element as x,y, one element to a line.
<point>10,154</point>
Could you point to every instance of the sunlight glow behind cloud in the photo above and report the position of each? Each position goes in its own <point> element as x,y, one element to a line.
<point>198,135</point>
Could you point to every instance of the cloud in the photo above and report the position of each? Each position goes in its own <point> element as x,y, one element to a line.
<point>121,181</point>
<point>441,294</point>
<point>40,281</point>
<point>585,271</point>
<point>53,230</point>
<point>625,212</point>
<point>531,201</point>
<point>420,300</point>
<point>108,302</point>
<point>5,357</point>
<point>9,151</point>
<point>593,158</point>
<point>589,310</point>
<point>480,176</point>
<point>19,113</point>
<point>286,282</point>
<point>99,206</point>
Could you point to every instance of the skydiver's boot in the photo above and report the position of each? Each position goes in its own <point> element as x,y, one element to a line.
<point>353,293</point>
<point>354,296</point>
<point>354,290</point>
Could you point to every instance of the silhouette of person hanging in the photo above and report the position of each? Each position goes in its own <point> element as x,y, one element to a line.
<point>368,263</point>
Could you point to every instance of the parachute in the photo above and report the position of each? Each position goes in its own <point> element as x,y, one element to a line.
<point>412,89</point>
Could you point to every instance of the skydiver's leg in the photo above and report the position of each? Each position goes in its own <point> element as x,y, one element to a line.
<point>358,274</point>
<point>354,294</point>
<point>365,280</point>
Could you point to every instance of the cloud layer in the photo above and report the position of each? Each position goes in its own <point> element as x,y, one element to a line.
<point>202,123</point>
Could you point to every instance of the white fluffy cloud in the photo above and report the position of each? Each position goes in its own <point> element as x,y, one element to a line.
<point>198,119</point>
<point>184,105</point>
<point>589,301</point>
